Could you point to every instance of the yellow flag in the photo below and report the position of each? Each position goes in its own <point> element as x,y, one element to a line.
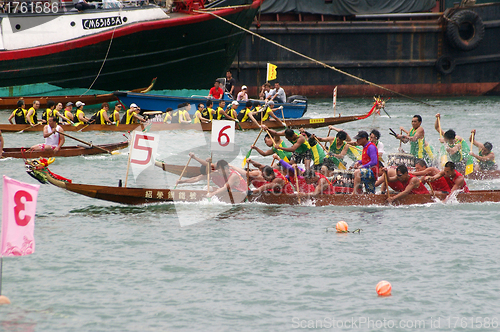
<point>272,73</point>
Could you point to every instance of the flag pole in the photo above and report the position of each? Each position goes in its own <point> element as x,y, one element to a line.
<point>334,100</point>
<point>129,157</point>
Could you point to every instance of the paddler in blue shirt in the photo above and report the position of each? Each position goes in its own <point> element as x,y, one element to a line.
<point>285,155</point>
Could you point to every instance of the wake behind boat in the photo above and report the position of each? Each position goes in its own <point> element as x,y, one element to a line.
<point>65,151</point>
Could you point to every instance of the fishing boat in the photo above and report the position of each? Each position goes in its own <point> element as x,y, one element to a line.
<point>11,102</point>
<point>65,151</point>
<point>293,110</point>
<point>38,169</point>
<point>120,42</point>
<point>160,126</point>
<point>414,47</point>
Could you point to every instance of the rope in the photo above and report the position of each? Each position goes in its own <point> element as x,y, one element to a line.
<point>103,62</point>
<point>314,60</point>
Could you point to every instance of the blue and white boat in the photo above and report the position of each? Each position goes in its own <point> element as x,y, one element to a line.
<point>148,102</point>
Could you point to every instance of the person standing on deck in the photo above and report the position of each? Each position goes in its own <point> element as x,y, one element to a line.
<point>19,114</point>
<point>367,168</point>
<point>457,148</point>
<point>32,117</point>
<point>216,91</point>
<point>230,83</point>
<point>486,158</point>
<point>416,136</point>
<point>53,140</point>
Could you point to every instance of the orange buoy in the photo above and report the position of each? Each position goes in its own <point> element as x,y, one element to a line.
<point>4,300</point>
<point>384,288</point>
<point>342,227</point>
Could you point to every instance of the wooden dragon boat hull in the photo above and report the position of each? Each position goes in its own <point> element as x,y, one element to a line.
<point>65,151</point>
<point>154,195</point>
<point>160,126</point>
<point>11,102</point>
<point>190,172</point>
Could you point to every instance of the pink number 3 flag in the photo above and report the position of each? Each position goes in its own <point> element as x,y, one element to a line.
<point>18,217</point>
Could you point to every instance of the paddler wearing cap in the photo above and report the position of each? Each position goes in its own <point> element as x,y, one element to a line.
<point>80,115</point>
<point>132,115</point>
<point>68,112</point>
<point>366,168</point>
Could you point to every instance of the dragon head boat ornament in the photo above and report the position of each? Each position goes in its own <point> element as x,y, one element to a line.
<point>38,169</point>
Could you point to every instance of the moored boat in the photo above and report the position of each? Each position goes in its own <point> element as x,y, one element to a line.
<point>426,48</point>
<point>109,47</point>
<point>150,102</point>
<point>65,151</point>
<point>39,170</point>
<point>11,102</point>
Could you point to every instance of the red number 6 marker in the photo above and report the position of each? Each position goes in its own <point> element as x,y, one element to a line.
<point>222,134</point>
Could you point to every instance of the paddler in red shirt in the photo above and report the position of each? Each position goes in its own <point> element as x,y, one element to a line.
<point>410,183</point>
<point>438,186</point>
<point>455,180</point>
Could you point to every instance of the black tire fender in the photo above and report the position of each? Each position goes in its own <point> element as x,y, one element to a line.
<point>445,65</point>
<point>465,30</point>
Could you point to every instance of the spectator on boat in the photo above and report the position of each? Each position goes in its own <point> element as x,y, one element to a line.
<point>243,115</point>
<point>230,83</point>
<point>80,115</point>
<point>278,94</point>
<point>284,155</point>
<point>242,95</point>
<point>456,147</point>
<point>181,115</point>
<point>367,168</point>
<point>115,116</point>
<point>265,91</point>
<point>101,117</point>
<point>31,116</point>
<point>455,179</point>
<point>19,114</point>
<point>260,114</point>
<point>132,115</point>
<point>374,138</point>
<point>83,5</point>
<point>409,183</point>
<point>56,113</point>
<point>438,186</point>
<point>203,115</point>
<point>486,158</point>
<point>416,136</point>
<point>51,105</point>
<point>216,91</point>
<point>67,112</point>
<point>53,140</point>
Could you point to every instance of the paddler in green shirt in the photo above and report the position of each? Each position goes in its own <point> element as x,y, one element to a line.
<point>301,149</point>
<point>416,136</point>
<point>486,158</point>
<point>285,155</point>
<point>456,147</point>
<point>337,151</point>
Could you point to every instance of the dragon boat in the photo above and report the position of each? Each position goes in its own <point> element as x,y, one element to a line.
<point>39,170</point>
<point>65,151</point>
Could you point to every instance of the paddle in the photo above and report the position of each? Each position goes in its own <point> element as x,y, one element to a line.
<point>87,143</point>
<point>274,143</point>
<point>209,168</point>
<point>329,131</point>
<point>283,115</point>
<point>250,151</point>
<point>442,150</point>
<point>297,181</point>
<point>469,166</point>
<point>182,173</point>
<point>387,184</point>
<point>400,141</point>
<point>30,126</point>
<point>88,124</point>
<point>228,187</point>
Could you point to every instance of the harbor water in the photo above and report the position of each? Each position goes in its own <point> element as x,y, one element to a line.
<point>101,266</point>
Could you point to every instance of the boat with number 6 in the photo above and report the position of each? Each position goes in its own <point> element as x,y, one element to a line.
<point>38,169</point>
